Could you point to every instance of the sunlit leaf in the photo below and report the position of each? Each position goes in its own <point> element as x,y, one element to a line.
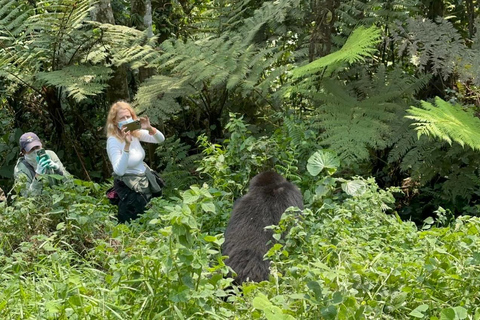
<point>323,159</point>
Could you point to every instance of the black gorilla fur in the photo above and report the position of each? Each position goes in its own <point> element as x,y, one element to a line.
<point>246,240</point>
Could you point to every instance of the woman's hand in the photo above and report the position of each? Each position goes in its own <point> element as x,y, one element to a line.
<point>127,135</point>
<point>145,122</point>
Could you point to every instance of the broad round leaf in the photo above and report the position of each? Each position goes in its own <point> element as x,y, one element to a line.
<point>208,207</point>
<point>321,190</point>
<point>354,187</point>
<point>323,159</point>
<point>461,312</point>
<point>448,314</point>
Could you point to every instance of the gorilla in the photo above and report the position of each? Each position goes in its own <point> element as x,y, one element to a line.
<point>246,240</point>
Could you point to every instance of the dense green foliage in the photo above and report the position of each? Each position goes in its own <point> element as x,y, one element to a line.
<point>370,106</point>
<point>64,257</point>
<point>447,123</point>
<point>347,257</point>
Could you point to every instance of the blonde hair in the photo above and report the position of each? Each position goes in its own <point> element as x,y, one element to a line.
<point>112,124</point>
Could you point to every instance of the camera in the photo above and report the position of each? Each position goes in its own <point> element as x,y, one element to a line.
<point>41,154</point>
<point>132,126</point>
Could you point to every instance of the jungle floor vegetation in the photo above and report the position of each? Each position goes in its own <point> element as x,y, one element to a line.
<point>349,256</point>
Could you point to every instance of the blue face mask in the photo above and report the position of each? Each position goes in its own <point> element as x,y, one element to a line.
<point>124,122</point>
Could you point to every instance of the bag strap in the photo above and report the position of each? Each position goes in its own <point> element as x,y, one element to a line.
<point>29,167</point>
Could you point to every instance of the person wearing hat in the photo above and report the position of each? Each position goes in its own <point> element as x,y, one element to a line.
<point>30,166</point>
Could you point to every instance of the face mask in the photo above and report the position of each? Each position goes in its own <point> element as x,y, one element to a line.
<point>32,158</point>
<point>121,123</point>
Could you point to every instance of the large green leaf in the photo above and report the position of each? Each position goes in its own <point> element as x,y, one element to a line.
<point>354,187</point>
<point>418,312</point>
<point>323,159</point>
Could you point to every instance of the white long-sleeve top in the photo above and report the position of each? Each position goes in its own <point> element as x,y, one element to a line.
<point>131,162</point>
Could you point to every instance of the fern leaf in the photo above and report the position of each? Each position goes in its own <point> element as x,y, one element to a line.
<point>360,44</point>
<point>357,117</point>
<point>158,94</point>
<point>78,81</point>
<point>462,183</point>
<point>447,122</point>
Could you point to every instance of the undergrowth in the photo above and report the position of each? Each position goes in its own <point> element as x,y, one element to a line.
<point>348,256</point>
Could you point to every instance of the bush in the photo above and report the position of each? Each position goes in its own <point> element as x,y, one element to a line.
<point>62,256</point>
<point>74,214</point>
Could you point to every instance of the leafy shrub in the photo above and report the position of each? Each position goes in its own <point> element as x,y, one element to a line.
<point>173,270</point>
<point>345,258</point>
<point>176,165</point>
<point>243,155</point>
<point>351,260</point>
<point>73,214</point>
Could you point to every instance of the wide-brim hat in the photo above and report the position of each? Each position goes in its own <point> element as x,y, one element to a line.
<point>29,140</point>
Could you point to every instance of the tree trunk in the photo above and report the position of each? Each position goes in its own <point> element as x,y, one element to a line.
<point>55,112</point>
<point>471,18</point>
<point>141,13</point>
<point>163,13</point>
<point>142,19</point>
<point>435,8</point>
<point>103,12</point>
<point>147,18</point>
<point>323,13</point>
<point>117,85</point>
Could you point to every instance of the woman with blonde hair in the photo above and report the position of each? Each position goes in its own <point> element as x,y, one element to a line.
<point>133,179</point>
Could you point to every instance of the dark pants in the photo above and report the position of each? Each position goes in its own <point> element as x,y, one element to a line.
<point>131,203</point>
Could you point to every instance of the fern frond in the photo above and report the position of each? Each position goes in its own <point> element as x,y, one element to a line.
<point>401,141</point>
<point>360,44</point>
<point>57,45</point>
<point>13,21</point>
<point>356,117</point>
<point>366,12</point>
<point>295,130</point>
<point>124,45</point>
<point>43,40</point>
<point>432,46</point>
<point>428,160</point>
<point>463,183</point>
<point>238,59</point>
<point>12,17</point>
<point>159,94</point>
<point>79,81</point>
<point>351,127</point>
<point>271,14</point>
<point>193,64</point>
<point>447,122</point>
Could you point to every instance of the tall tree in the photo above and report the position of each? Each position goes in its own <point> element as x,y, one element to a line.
<point>324,16</point>
<point>141,13</point>
<point>117,84</point>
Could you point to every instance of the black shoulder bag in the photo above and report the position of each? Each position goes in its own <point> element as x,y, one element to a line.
<point>112,196</point>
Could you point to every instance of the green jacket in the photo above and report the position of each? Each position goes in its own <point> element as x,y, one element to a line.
<point>25,176</point>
